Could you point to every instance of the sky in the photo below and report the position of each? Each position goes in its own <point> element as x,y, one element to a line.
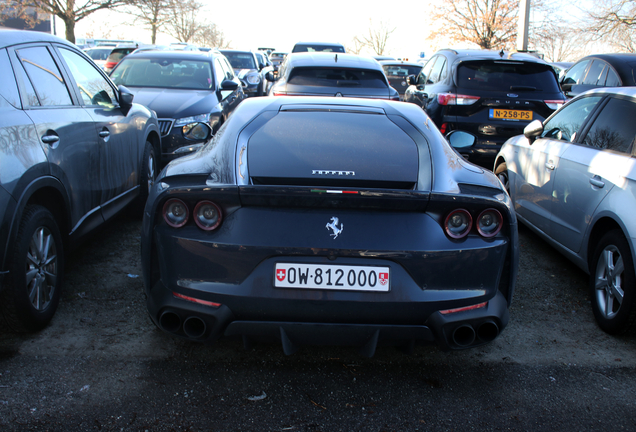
<point>250,24</point>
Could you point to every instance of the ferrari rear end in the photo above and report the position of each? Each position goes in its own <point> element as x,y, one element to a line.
<point>338,222</point>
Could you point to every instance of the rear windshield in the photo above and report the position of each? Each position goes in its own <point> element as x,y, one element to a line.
<point>401,70</point>
<point>318,48</point>
<point>337,77</point>
<point>165,73</point>
<point>507,76</point>
<point>119,53</point>
<point>240,60</point>
<point>98,53</point>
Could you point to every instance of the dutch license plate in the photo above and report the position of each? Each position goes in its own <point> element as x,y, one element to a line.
<point>331,277</point>
<point>506,114</point>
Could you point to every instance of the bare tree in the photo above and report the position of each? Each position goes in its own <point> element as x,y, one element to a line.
<point>357,46</point>
<point>154,14</point>
<point>27,14</point>
<point>209,35</point>
<point>558,41</point>
<point>488,23</point>
<point>71,11</point>
<point>184,25</point>
<point>614,22</point>
<point>376,38</point>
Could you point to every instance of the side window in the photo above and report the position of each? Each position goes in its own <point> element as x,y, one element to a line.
<point>612,79</point>
<point>95,90</point>
<point>9,88</point>
<point>426,71</point>
<point>575,74</point>
<point>436,71</point>
<point>614,128</point>
<point>568,120</point>
<point>229,72</point>
<point>45,76</point>
<point>219,73</point>
<point>595,73</point>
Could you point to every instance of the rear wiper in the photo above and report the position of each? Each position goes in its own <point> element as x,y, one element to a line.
<point>347,83</point>
<point>527,88</point>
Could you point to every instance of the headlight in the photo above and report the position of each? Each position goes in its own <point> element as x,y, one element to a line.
<point>201,118</point>
<point>253,78</point>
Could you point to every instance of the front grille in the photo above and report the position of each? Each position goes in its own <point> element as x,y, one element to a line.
<point>164,126</point>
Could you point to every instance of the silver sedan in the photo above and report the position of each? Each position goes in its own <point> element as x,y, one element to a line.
<point>572,181</point>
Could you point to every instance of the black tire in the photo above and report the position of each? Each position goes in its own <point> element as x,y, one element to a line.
<point>34,283</point>
<point>502,174</point>
<point>147,177</point>
<point>612,284</point>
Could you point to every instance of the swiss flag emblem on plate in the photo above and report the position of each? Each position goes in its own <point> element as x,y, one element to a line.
<point>280,274</point>
<point>384,278</point>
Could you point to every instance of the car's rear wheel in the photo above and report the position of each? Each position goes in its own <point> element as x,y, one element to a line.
<point>612,284</point>
<point>34,282</point>
<point>147,177</point>
<point>502,174</point>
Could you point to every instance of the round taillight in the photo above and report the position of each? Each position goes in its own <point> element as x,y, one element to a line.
<point>207,215</point>
<point>458,223</point>
<point>175,213</point>
<point>489,223</point>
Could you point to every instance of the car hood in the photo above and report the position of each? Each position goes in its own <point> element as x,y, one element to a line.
<point>173,103</point>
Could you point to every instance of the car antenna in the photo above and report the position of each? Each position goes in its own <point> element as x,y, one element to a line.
<point>501,53</point>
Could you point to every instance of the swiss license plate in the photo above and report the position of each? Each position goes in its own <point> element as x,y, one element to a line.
<point>332,277</point>
<point>506,114</point>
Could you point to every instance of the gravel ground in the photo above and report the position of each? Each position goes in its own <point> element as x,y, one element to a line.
<point>102,365</point>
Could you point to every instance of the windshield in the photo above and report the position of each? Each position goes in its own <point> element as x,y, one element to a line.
<point>165,73</point>
<point>240,60</point>
<point>397,71</point>
<point>507,76</point>
<point>337,77</point>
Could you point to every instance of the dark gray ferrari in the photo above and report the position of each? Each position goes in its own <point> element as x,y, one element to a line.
<point>331,221</point>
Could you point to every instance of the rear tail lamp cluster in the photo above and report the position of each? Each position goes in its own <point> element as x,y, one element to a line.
<point>459,222</point>
<point>207,215</point>
<point>554,104</point>
<point>456,99</point>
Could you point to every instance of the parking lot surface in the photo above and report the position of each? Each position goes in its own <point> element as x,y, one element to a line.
<point>102,365</point>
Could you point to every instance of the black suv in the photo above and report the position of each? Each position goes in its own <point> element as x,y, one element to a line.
<point>74,151</point>
<point>599,70</point>
<point>491,94</point>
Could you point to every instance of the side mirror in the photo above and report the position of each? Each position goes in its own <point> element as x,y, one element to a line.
<point>411,80</point>
<point>269,76</point>
<point>460,139</point>
<point>533,130</point>
<point>125,99</point>
<point>229,84</point>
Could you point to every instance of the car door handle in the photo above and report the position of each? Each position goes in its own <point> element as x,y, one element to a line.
<point>104,133</point>
<point>596,182</point>
<point>550,166</point>
<point>50,139</point>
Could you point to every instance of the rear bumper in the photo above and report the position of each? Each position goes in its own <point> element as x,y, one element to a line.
<point>451,331</point>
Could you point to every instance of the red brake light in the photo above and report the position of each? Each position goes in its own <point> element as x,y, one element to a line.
<point>453,99</point>
<point>175,213</point>
<point>196,300</point>
<point>462,309</point>
<point>458,223</point>
<point>279,93</point>
<point>443,128</point>
<point>489,223</point>
<point>207,215</point>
